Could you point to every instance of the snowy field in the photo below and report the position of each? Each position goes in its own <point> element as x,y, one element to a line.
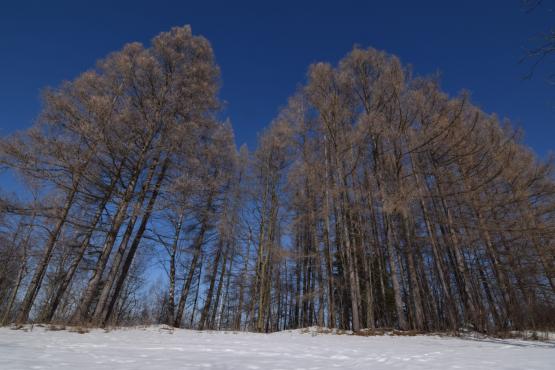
<point>158,348</point>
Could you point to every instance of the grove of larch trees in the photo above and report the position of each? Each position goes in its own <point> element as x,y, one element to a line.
<point>373,201</point>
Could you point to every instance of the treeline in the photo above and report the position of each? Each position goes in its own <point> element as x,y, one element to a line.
<point>373,200</point>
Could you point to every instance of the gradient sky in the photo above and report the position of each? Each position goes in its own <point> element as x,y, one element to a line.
<point>264,49</point>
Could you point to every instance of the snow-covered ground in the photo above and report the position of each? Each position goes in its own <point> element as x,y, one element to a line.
<point>157,348</point>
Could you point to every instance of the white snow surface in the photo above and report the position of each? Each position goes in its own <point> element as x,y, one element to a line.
<point>158,348</point>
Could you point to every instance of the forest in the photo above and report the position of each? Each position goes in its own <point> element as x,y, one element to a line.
<point>373,200</point>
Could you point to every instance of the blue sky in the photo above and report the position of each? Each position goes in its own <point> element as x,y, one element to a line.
<point>265,47</point>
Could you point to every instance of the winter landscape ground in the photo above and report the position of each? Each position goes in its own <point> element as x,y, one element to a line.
<point>159,348</point>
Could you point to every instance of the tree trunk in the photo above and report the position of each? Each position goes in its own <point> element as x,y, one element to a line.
<point>34,285</point>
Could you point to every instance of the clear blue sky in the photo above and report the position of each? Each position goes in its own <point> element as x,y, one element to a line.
<point>265,47</point>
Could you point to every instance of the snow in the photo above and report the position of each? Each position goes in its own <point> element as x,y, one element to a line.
<point>160,348</point>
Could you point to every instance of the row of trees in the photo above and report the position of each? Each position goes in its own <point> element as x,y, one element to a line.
<point>373,200</point>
